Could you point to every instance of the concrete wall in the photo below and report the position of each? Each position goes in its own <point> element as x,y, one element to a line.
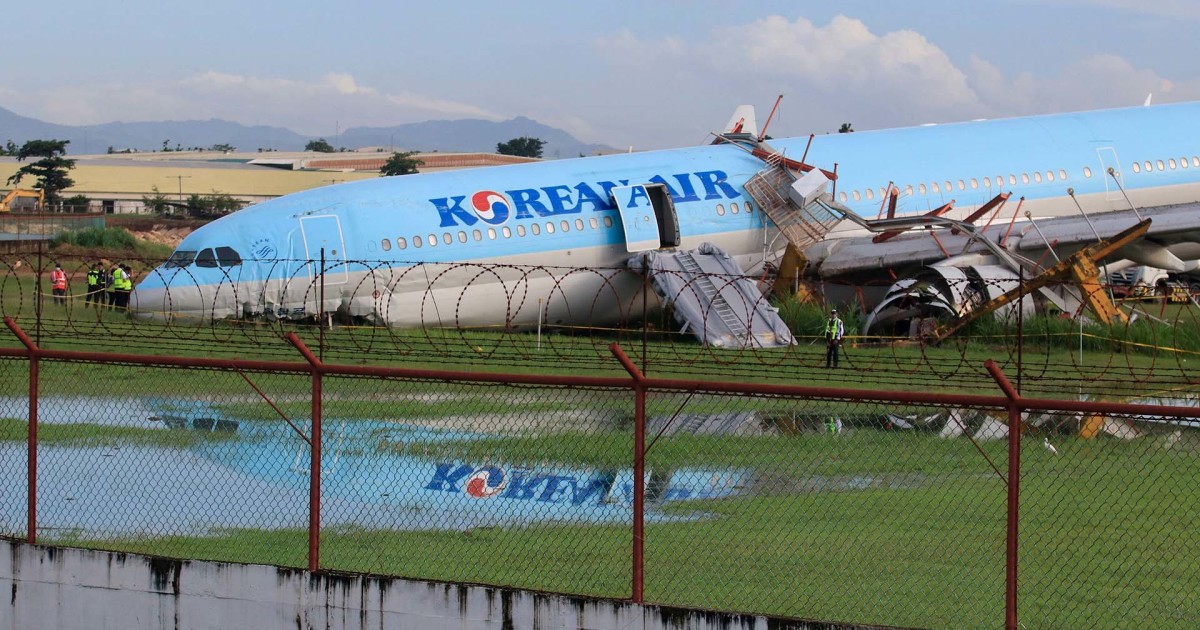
<point>54,587</point>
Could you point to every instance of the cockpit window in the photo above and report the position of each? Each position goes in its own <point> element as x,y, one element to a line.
<point>228,257</point>
<point>181,258</point>
<point>206,259</point>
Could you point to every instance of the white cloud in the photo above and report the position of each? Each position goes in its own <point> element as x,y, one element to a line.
<point>842,71</point>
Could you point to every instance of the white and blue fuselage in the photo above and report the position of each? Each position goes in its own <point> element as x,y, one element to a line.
<point>512,245</point>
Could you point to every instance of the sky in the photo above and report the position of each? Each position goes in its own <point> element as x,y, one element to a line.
<point>641,74</point>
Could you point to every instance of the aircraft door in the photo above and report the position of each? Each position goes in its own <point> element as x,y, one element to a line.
<point>325,232</point>
<point>1108,159</point>
<point>647,216</point>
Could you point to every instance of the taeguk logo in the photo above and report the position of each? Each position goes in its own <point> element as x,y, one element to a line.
<point>485,482</point>
<point>490,206</point>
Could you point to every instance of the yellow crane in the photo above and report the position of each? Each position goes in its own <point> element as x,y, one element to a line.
<point>16,193</point>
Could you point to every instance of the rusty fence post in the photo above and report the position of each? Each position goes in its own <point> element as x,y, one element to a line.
<point>31,458</point>
<point>314,466</point>
<point>637,590</point>
<point>1014,494</point>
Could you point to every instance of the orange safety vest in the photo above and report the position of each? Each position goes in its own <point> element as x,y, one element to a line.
<point>58,278</point>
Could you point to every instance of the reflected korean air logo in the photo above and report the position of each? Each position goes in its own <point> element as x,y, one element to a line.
<point>485,482</point>
<point>491,206</point>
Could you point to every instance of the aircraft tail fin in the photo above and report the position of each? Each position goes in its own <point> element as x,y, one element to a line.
<point>742,121</point>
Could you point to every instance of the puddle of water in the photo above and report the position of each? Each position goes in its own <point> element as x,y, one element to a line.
<point>257,477</point>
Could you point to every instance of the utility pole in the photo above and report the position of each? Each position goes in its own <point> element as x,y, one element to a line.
<point>180,178</point>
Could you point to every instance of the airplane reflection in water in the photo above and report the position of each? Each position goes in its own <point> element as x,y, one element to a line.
<point>549,241</point>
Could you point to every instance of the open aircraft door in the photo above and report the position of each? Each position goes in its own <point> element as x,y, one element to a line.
<point>325,232</point>
<point>647,216</point>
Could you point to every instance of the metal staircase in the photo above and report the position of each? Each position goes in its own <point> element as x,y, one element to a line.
<point>802,226</point>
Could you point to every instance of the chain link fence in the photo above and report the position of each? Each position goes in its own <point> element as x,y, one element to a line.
<point>868,507</point>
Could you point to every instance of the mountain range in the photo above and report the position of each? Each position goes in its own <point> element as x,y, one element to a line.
<point>468,135</point>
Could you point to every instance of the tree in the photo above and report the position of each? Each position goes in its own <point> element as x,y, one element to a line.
<point>400,164</point>
<point>50,171</point>
<point>77,203</point>
<point>846,128</point>
<point>158,202</point>
<point>10,149</point>
<point>523,146</point>
<point>319,145</point>
<point>223,148</point>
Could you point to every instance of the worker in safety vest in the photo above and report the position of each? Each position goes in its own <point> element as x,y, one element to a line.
<point>58,285</point>
<point>95,290</point>
<point>834,331</point>
<point>117,295</point>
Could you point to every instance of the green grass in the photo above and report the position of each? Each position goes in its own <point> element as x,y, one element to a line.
<point>1106,534</point>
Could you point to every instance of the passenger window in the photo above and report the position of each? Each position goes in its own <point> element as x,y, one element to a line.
<point>974,183</point>
<point>1024,178</point>
<point>549,227</point>
<point>935,188</point>
<point>607,222</point>
<point>1183,162</point>
<point>477,235</point>
<point>462,237</point>
<point>579,224</point>
<point>747,207</point>
<point>1171,163</point>
<point>1012,180</point>
<point>1161,167</point>
<point>520,230</point>
<point>1062,174</point>
<point>1087,172</point>
<point>506,232</point>
<point>908,190</point>
<point>491,234</point>
<point>386,244</point>
<point>947,186</point>
<point>1148,166</point>
<point>844,196</point>
<point>733,207</point>
<point>228,257</point>
<point>856,196</point>
<point>593,223</point>
<point>432,238</point>
<point>417,241</point>
<point>1037,177</point>
<point>206,259</point>
<point>536,228</point>
<point>923,189</point>
<point>1136,168</point>
<point>1049,176</point>
<point>1195,161</point>
<point>401,243</point>
<point>446,238</point>
<point>870,193</point>
<point>720,211</point>
<point>566,226</point>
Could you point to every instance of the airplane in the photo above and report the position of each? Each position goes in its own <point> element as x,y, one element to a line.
<point>518,245</point>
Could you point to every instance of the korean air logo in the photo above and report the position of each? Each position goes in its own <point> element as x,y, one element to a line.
<point>485,482</point>
<point>490,206</point>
